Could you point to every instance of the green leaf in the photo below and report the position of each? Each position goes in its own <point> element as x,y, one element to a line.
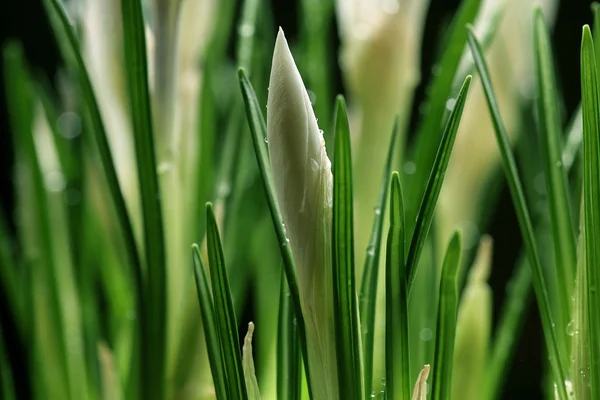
<point>209,325</point>
<point>258,130</point>
<point>315,18</point>
<point>368,290</point>
<point>20,101</point>
<point>510,326</point>
<point>563,231</point>
<point>246,32</point>
<point>288,352</point>
<point>434,185</point>
<point>591,198</point>
<point>344,285</point>
<point>429,128</point>
<point>72,55</point>
<point>398,382</point>
<point>226,321</point>
<point>446,322</point>
<point>153,384</point>
<point>556,354</point>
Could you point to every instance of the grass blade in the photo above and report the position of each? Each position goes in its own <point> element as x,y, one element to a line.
<point>591,198</point>
<point>428,131</point>
<point>446,322</point>
<point>226,321</point>
<point>209,325</point>
<point>258,130</point>
<point>396,304</point>
<point>288,352</point>
<point>510,325</point>
<point>153,384</point>
<point>557,355</point>
<point>434,185</point>
<point>344,286</point>
<point>20,101</point>
<point>73,56</point>
<point>563,231</point>
<point>368,290</point>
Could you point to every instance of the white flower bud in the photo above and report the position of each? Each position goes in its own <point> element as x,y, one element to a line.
<point>304,183</point>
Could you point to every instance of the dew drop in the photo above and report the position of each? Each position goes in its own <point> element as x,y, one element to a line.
<point>377,211</point>
<point>450,103</point>
<point>69,125</point>
<point>426,334</point>
<point>55,181</point>
<point>410,168</point>
<point>266,140</point>
<point>246,30</point>
<point>571,328</point>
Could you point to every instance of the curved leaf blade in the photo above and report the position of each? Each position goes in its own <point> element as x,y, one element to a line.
<point>557,355</point>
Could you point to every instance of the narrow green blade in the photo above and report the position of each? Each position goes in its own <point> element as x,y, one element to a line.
<point>557,355</point>
<point>226,321</point>
<point>428,131</point>
<point>434,185</point>
<point>288,351</point>
<point>209,325</point>
<point>446,322</point>
<point>590,104</point>
<point>398,382</point>
<point>153,384</point>
<point>563,231</point>
<point>258,130</point>
<point>348,342</point>
<point>20,102</point>
<point>368,290</point>
<point>72,55</point>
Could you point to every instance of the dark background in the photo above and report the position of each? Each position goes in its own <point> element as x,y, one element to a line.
<point>25,21</point>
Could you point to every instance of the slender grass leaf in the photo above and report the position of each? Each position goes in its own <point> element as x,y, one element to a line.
<point>428,131</point>
<point>368,289</point>
<point>72,55</point>
<point>510,325</point>
<point>225,318</point>
<point>209,325</point>
<point>446,321</point>
<point>288,352</point>
<point>258,130</point>
<point>563,231</point>
<point>153,384</point>
<point>590,104</point>
<point>596,30</point>
<point>315,17</point>
<point>246,32</point>
<point>348,342</point>
<point>398,384</point>
<point>434,185</point>
<point>557,355</point>
<point>20,100</point>
<point>248,364</point>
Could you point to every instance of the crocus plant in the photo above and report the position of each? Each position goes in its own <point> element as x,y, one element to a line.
<point>354,270</point>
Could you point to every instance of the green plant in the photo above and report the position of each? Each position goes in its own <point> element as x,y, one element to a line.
<point>152,146</point>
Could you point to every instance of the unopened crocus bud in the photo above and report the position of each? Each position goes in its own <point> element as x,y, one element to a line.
<point>473,328</point>
<point>304,183</point>
<point>248,364</point>
<point>420,390</point>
